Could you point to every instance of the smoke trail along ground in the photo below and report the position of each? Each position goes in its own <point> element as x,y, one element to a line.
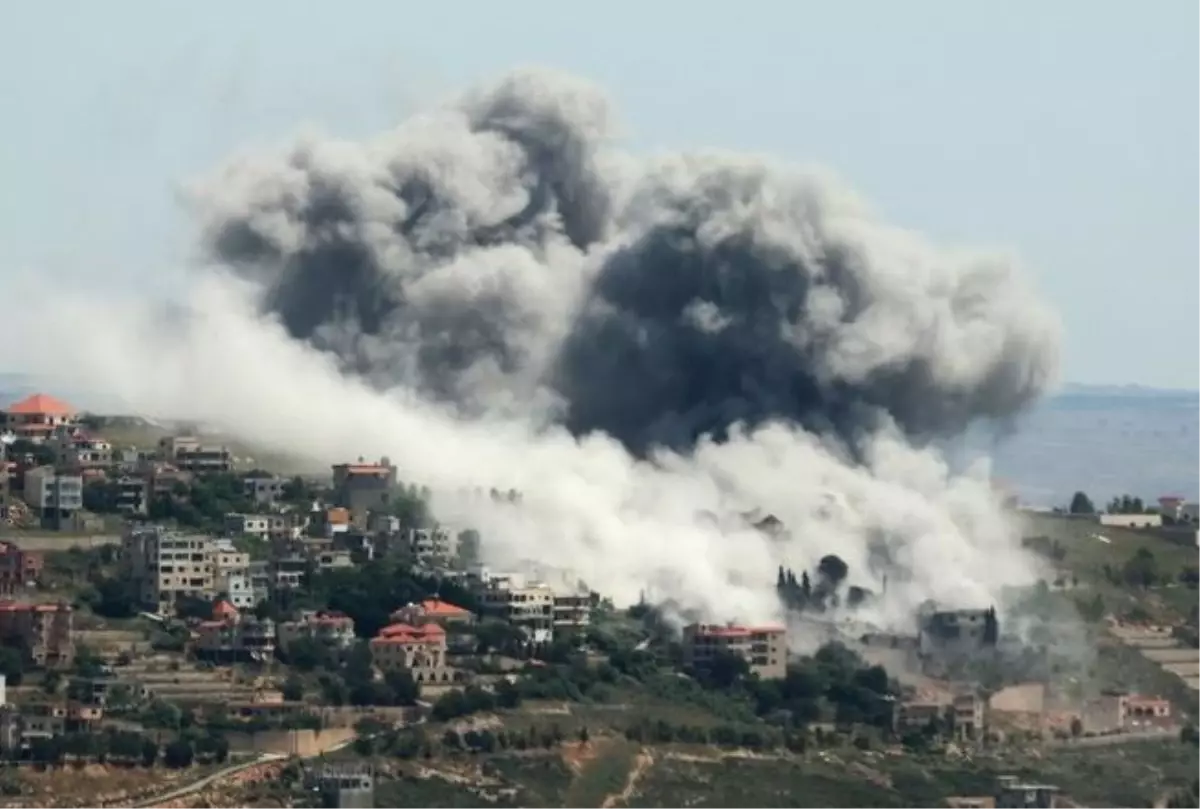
<point>499,270</point>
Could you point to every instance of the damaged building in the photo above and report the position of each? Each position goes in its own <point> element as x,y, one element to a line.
<point>954,635</point>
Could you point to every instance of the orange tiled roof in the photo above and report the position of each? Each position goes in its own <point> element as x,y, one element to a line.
<point>338,516</point>
<point>223,609</point>
<point>41,404</point>
<point>406,633</point>
<point>435,606</point>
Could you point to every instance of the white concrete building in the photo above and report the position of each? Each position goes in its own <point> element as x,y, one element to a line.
<point>240,591</point>
<point>1132,520</point>
<point>433,547</point>
<point>528,606</point>
<point>52,494</point>
<point>265,491</point>
<point>248,525</point>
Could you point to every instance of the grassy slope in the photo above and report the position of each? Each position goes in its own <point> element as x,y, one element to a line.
<point>677,775</point>
<point>1086,557</point>
<point>608,767</point>
<point>129,432</point>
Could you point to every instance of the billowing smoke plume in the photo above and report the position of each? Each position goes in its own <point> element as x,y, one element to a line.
<point>493,295</point>
<point>490,253</point>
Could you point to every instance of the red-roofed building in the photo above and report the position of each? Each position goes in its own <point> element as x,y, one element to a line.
<point>420,650</point>
<point>18,568</point>
<point>36,417</point>
<point>224,611</point>
<point>232,636</point>
<point>434,611</point>
<point>1143,712</point>
<point>44,631</point>
<point>764,648</point>
<point>364,487</point>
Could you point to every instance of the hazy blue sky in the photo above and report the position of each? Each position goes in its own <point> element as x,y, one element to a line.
<point>1066,130</point>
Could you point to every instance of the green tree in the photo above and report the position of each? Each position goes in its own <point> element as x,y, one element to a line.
<point>1081,504</point>
<point>1140,570</point>
<point>403,689</point>
<point>101,496</point>
<point>293,689</point>
<point>723,670</point>
<point>411,505</point>
<point>51,680</point>
<point>87,663</point>
<point>39,454</point>
<point>179,754</point>
<point>1092,609</point>
<point>12,665</point>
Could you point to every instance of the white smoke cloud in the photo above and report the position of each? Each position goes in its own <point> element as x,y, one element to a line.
<point>669,521</point>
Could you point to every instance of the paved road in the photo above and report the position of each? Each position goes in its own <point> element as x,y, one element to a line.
<point>201,783</point>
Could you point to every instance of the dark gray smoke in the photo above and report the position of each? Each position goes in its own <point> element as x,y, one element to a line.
<point>501,254</point>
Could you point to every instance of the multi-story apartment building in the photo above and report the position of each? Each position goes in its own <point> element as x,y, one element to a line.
<point>573,611</point>
<point>18,568</point>
<point>333,629</point>
<point>264,526</point>
<point>288,570</point>
<point>76,449</point>
<point>44,631</point>
<point>232,570</point>
<point>54,496</point>
<point>238,588</point>
<point>260,576</point>
<point>231,635</point>
<point>333,559</point>
<point>528,606</point>
<point>364,487</point>
<point>420,650</point>
<point>133,494</point>
<point>264,490</point>
<point>189,454</point>
<point>131,460</point>
<point>167,565</point>
<point>764,648</point>
<point>164,478</point>
<point>247,587</point>
<point>432,547</point>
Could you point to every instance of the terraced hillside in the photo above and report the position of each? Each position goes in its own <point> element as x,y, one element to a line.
<point>1154,620</point>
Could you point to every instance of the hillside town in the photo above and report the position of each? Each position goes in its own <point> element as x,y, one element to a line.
<point>180,606</point>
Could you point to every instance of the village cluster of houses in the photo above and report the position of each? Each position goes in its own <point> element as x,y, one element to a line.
<point>354,527</point>
<point>53,492</point>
